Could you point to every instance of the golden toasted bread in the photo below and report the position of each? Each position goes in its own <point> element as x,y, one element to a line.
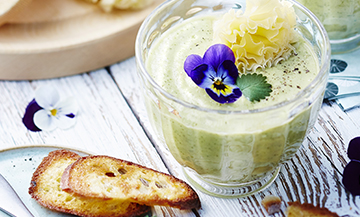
<point>45,189</point>
<point>296,209</point>
<point>106,178</point>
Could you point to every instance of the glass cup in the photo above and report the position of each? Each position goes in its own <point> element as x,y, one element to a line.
<point>229,153</point>
<point>341,20</point>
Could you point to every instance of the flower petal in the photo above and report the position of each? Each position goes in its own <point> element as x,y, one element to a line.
<point>228,71</point>
<point>354,149</point>
<point>351,177</point>
<point>67,106</point>
<point>191,62</point>
<point>208,79</point>
<point>217,54</point>
<point>232,94</point>
<point>47,96</point>
<point>28,118</point>
<point>64,121</point>
<point>44,120</point>
<point>198,74</point>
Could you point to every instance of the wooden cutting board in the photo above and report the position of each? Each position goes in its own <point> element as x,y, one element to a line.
<point>10,8</point>
<point>55,38</point>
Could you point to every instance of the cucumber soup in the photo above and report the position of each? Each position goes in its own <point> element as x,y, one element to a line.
<point>220,146</point>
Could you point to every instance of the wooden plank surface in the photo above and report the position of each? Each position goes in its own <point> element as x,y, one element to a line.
<point>112,120</point>
<point>105,124</point>
<point>312,176</point>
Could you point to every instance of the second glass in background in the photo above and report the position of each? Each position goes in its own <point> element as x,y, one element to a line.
<point>341,20</point>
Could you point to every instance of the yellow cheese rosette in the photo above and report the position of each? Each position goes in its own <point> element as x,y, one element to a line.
<point>259,37</point>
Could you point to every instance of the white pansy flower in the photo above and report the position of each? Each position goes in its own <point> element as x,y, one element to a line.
<point>55,112</point>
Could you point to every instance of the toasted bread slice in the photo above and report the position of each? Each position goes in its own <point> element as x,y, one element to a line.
<point>110,178</point>
<point>296,209</point>
<point>45,189</point>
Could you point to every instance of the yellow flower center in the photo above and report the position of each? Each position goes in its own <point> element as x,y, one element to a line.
<point>218,81</point>
<point>53,112</point>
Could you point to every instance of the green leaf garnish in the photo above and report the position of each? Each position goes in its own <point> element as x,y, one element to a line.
<point>254,86</point>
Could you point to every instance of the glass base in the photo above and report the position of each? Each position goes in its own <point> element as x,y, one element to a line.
<point>230,190</point>
<point>345,45</point>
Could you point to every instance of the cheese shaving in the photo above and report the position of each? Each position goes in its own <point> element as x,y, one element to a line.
<point>261,36</point>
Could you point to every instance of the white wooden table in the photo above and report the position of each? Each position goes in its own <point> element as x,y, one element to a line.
<point>112,121</point>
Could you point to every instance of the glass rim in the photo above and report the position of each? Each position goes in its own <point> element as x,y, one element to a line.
<point>322,72</point>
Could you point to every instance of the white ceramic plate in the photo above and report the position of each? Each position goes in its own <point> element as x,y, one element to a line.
<point>17,166</point>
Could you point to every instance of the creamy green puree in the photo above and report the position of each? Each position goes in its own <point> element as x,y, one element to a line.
<point>341,18</point>
<point>226,148</point>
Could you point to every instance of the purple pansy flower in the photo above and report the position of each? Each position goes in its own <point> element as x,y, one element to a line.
<point>354,149</point>
<point>47,111</point>
<point>351,177</point>
<point>351,174</point>
<point>215,72</point>
<point>28,118</point>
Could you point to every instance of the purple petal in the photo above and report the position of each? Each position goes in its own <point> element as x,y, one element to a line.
<point>230,98</point>
<point>354,149</point>
<point>71,115</point>
<point>208,80</point>
<point>28,118</point>
<point>198,74</point>
<point>228,71</point>
<point>351,177</point>
<point>191,62</point>
<point>217,54</point>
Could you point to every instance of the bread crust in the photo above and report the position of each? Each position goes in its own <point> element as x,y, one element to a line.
<point>128,181</point>
<point>297,209</point>
<point>44,191</point>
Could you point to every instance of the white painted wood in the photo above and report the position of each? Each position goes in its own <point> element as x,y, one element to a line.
<point>312,176</point>
<point>105,124</point>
